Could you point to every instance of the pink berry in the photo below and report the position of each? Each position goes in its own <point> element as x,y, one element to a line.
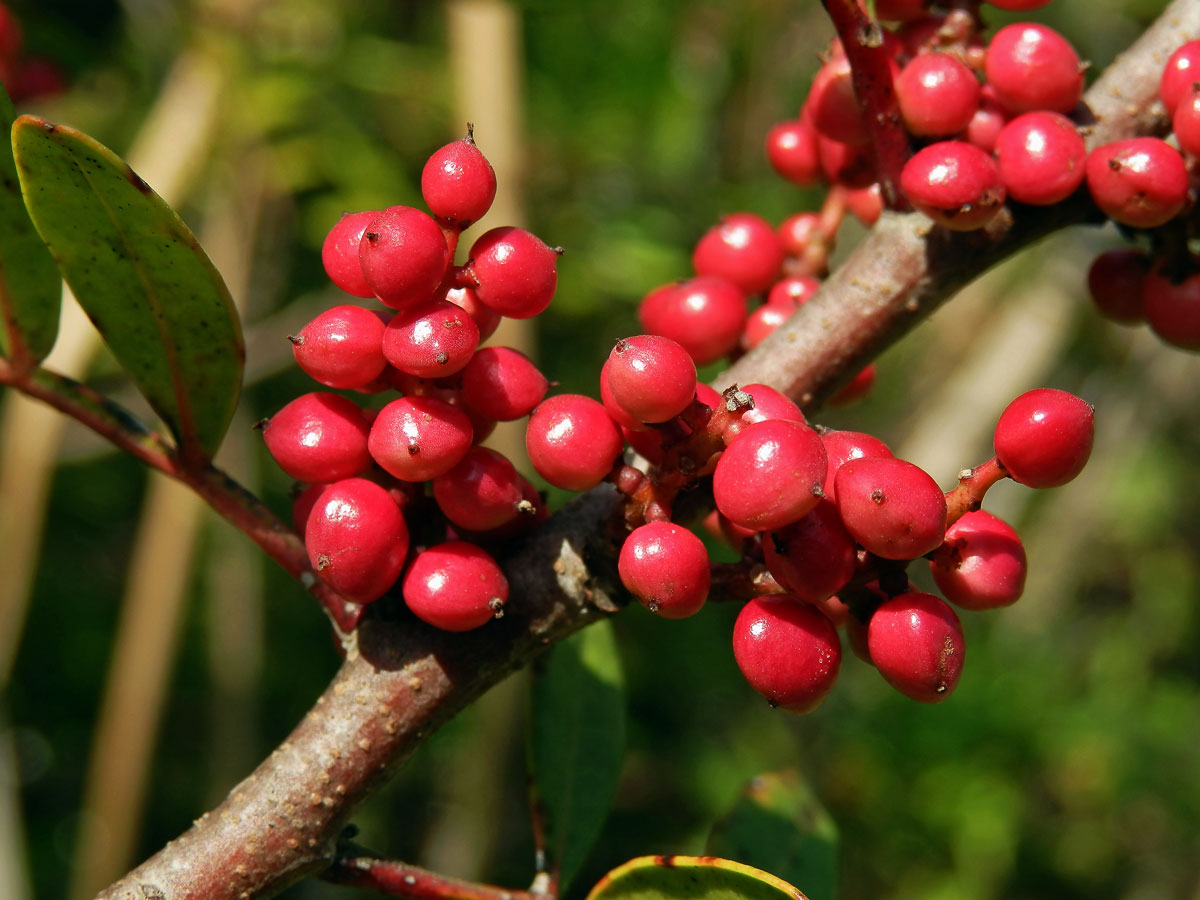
<point>982,564</point>
<point>502,384</point>
<point>572,442</point>
<point>787,650</point>
<point>865,203</point>
<point>937,95</point>
<point>455,586</point>
<point>1033,67</point>
<point>1172,309</point>
<point>1140,182</point>
<point>987,122</point>
<point>797,231</point>
<point>792,152</point>
<point>1044,437</point>
<point>486,320</point>
<point>516,273</point>
<point>843,446</point>
<point>848,165</point>
<point>458,183</point>
<point>890,506</point>
<point>1041,158</point>
<point>319,437</point>
<point>419,438</point>
<point>431,340</point>
<point>813,557</point>
<point>356,539</point>
<point>1185,121</point>
<point>651,378</point>
<point>339,253</point>
<point>481,493</point>
<point>954,183</point>
<point>341,347</point>
<point>666,567</point>
<point>403,255</point>
<point>763,321</point>
<point>793,290</point>
<point>742,249</point>
<point>704,315</point>
<point>832,106</point>
<point>1115,284</point>
<point>770,475</point>
<point>916,642</point>
<point>1180,73</point>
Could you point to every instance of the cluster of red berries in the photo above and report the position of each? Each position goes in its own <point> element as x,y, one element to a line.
<point>1149,189</point>
<point>24,77</point>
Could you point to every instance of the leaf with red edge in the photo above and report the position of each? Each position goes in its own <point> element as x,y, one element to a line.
<point>691,878</point>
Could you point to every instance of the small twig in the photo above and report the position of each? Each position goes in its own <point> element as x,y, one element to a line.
<point>972,485</point>
<point>397,879</point>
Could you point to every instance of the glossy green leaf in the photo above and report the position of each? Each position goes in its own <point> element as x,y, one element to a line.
<point>779,825</point>
<point>691,878</point>
<point>30,286</point>
<point>577,742</point>
<point>138,272</point>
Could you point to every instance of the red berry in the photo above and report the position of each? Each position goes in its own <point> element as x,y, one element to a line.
<point>1140,182</point>
<point>303,505</point>
<point>1044,437</point>
<point>763,321</point>
<point>431,340</point>
<point>486,320</point>
<point>572,442</point>
<point>832,106</point>
<point>319,437</point>
<point>742,249</point>
<point>813,557</point>
<point>1180,73</point>
<point>339,253</point>
<point>892,507</point>
<point>1173,309</point>
<point>356,539</point>
<point>916,642</point>
<point>865,203</point>
<point>937,94</point>
<point>419,438</point>
<point>792,152</point>
<point>987,122</point>
<point>666,567</point>
<point>1033,67</point>
<point>843,446</point>
<point>770,475</point>
<point>516,273</point>
<point>455,586</point>
<point>982,564</point>
<point>502,384</point>
<point>856,388</point>
<point>704,315</point>
<point>341,347</point>
<point>651,378</point>
<point>848,165</point>
<point>1041,158</point>
<point>797,231</point>
<point>954,183</point>
<point>1185,121</point>
<point>403,255</point>
<point>787,650</point>
<point>1115,284</point>
<point>481,493</point>
<point>458,183</point>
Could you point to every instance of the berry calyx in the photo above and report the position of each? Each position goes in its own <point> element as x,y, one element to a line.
<point>666,567</point>
<point>1044,437</point>
<point>455,586</point>
<point>787,650</point>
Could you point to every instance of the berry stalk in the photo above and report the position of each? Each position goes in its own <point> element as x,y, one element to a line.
<point>397,879</point>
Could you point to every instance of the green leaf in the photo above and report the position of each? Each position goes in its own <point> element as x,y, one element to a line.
<point>779,825</point>
<point>30,286</point>
<point>138,272</point>
<point>691,878</point>
<point>577,742</point>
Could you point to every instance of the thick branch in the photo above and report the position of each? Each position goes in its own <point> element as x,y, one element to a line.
<point>405,680</point>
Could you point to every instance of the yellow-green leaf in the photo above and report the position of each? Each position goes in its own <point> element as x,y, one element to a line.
<point>691,878</point>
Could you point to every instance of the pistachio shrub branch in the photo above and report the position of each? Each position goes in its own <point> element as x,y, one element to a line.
<point>403,680</point>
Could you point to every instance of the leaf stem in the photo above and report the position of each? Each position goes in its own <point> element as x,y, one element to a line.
<point>397,879</point>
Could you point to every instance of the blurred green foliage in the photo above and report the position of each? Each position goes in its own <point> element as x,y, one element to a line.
<point>1067,764</point>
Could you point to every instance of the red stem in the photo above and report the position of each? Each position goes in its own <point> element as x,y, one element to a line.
<point>972,485</point>
<point>397,879</point>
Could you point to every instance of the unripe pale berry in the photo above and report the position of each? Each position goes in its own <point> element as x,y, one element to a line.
<point>651,378</point>
<point>666,567</point>
<point>572,442</point>
<point>787,650</point>
<point>1044,437</point>
<point>742,249</point>
<point>770,475</point>
<point>502,384</point>
<point>430,340</point>
<point>341,347</point>
<point>458,182</point>
<point>419,438</point>
<point>515,271</point>
<point>319,437</point>
<point>916,642</point>
<point>403,255</point>
<point>1140,182</point>
<point>890,506</point>
<point>356,539</point>
<point>339,253</point>
<point>982,565</point>
<point>455,586</point>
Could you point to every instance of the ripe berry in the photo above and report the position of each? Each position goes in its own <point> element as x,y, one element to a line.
<point>486,320</point>
<point>987,122</point>
<point>403,255</point>
<point>890,506</point>
<point>1044,437</point>
<point>843,446</point>
<point>865,203</point>
<point>516,273</point>
<point>1173,309</point>
<point>813,557</point>
<point>339,253</point>
<point>319,437</point>
<point>1140,182</point>
<point>742,249</point>
<point>1033,67</point>
<point>356,539</point>
<point>1018,5</point>
<point>797,231</point>
<point>703,315</point>
<point>572,442</point>
<point>770,475</point>
<point>419,438</point>
<point>651,378</point>
<point>502,384</point>
<point>1041,158</point>
<point>787,650</point>
<point>1180,73</point>
<point>916,642</point>
<point>763,321</point>
<point>481,493</point>
<point>793,290</point>
<point>455,586</point>
<point>954,183</point>
<point>792,152</point>
<point>1185,122</point>
<point>856,388</point>
<point>848,165</point>
<point>937,95</point>
<point>900,10</point>
<point>768,404</point>
<point>666,567</point>
<point>832,106</point>
<point>341,348</point>
<point>458,183</point>
<point>430,340</point>
<point>982,564</point>
<point>1115,284</point>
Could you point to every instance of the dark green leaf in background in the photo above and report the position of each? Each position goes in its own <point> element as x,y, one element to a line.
<point>577,742</point>
<point>779,825</point>
<point>140,275</point>
<point>30,286</point>
<point>691,878</point>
